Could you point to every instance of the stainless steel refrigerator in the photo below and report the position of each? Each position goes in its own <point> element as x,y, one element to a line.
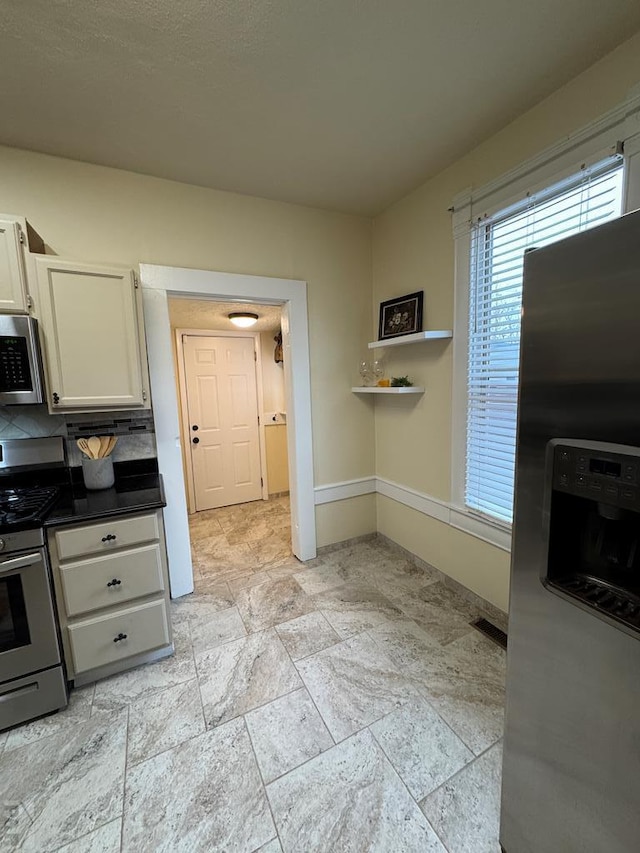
<point>571,776</point>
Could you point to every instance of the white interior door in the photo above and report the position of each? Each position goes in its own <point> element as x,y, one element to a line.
<point>222,405</point>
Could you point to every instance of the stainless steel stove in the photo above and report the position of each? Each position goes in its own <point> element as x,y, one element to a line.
<point>26,506</point>
<point>32,680</point>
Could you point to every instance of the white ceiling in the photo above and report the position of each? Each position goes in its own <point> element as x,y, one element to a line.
<point>341,104</point>
<point>207,314</point>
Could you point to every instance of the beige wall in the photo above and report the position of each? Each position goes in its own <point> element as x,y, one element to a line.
<point>413,250</point>
<point>272,375</point>
<point>345,519</point>
<point>275,435</point>
<point>275,439</point>
<point>98,214</point>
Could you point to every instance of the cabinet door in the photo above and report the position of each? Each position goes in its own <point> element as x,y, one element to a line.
<point>111,579</point>
<point>13,284</point>
<point>91,335</point>
<point>105,536</point>
<point>117,635</point>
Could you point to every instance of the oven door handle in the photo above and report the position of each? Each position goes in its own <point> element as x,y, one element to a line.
<point>20,562</point>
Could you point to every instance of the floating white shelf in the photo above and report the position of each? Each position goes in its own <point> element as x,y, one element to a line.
<point>403,340</point>
<point>413,389</point>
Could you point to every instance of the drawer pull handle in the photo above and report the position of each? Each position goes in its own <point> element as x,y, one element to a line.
<point>119,638</point>
<point>114,582</point>
<point>110,537</point>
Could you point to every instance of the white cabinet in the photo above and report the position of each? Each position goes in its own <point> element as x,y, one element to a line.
<point>111,579</point>
<point>13,280</point>
<point>101,537</point>
<point>112,594</point>
<point>110,638</point>
<point>91,324</point>
<point>16,239</point>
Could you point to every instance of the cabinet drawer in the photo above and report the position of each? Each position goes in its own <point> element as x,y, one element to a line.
<point>94,538</point>
<point>111,579</point>
<point>92,641</point>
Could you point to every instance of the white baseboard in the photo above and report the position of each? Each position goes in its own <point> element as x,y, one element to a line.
<point>347,489</point>
<point>416,500</point>
<point>442,511</point>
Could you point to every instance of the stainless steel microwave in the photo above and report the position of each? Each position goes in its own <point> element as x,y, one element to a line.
<point>21,379</point>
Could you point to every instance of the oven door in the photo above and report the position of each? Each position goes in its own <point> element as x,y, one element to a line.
<point>28,635</point>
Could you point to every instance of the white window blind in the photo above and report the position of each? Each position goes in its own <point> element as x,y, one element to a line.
<point>498,244</point>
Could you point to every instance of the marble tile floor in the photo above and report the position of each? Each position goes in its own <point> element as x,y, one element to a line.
<point>236,544</point>
<point>304,711</point>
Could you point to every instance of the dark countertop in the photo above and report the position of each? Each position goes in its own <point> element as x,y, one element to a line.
<point>131,493</point>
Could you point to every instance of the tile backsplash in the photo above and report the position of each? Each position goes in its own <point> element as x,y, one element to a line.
<point>113,423</point>
<point>30,422</point>
<point>135,430</point>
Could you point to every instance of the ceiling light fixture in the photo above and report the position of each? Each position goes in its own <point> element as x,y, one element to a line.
<point>243,319</point>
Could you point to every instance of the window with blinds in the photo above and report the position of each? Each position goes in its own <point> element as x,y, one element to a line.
<point>498,244</point>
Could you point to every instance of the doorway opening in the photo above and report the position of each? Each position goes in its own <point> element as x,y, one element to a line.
<point>231,392</point>
<point>161,283</point>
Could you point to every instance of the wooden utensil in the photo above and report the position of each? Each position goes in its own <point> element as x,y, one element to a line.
<point>94,446</point>
<point>104,446</point>
<point>84,447</point>
<point>112,444</point>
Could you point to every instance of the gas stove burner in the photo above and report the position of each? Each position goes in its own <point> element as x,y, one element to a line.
<point>20,506</point>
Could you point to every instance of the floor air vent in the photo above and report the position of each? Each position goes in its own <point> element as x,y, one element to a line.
<point>489,630</point>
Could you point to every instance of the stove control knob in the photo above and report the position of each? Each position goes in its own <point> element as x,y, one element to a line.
<point>3,544</point>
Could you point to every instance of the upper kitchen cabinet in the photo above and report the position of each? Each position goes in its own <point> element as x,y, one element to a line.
<point>17,240</point>
<point>93,333</point>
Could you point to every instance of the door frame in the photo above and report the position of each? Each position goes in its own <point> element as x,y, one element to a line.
<point>160,282</point>
<point>184,404</point>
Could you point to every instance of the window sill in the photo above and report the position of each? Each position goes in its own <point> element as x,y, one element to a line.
<point>494,533</point>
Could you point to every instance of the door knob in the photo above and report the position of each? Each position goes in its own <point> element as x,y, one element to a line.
<point>195,427</point>
<point>196,440</point>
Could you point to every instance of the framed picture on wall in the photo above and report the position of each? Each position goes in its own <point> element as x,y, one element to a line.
<point>401,316</point>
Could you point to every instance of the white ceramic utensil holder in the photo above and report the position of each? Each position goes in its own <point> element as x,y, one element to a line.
<point>98,473</point>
